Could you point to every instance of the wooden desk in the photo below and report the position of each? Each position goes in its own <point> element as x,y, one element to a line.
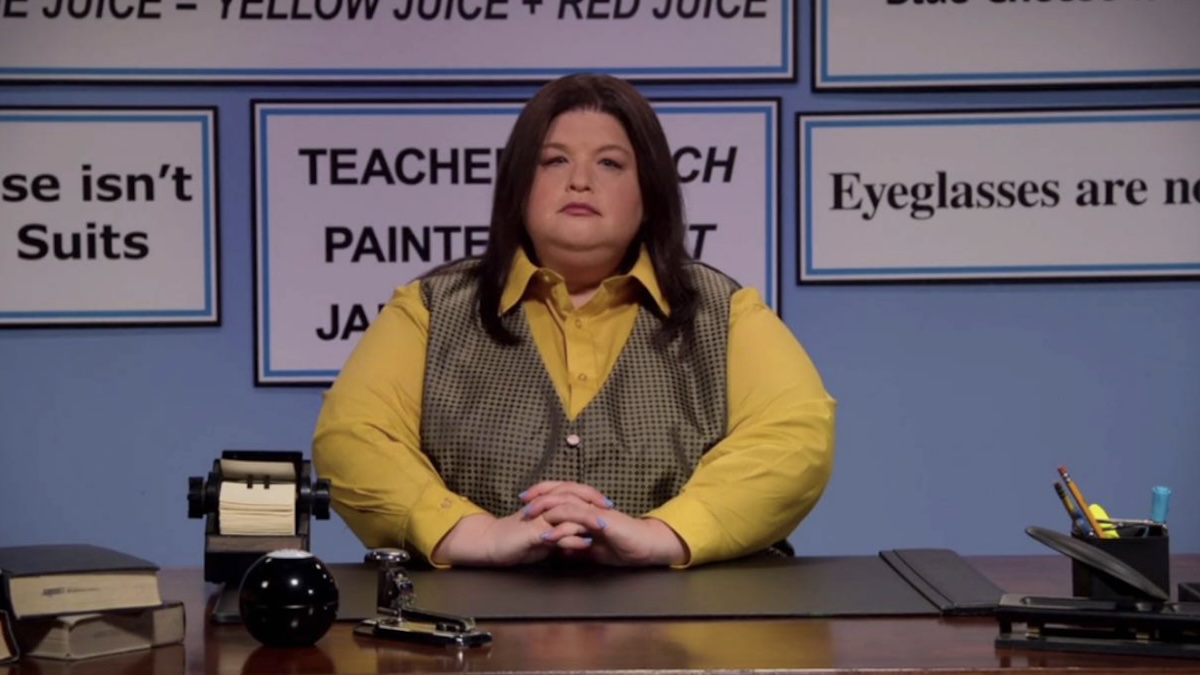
<point>896,645</point>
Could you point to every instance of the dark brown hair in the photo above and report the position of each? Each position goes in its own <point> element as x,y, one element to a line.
<point>662,230</point>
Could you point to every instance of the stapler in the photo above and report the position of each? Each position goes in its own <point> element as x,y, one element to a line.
<point>400,619</point>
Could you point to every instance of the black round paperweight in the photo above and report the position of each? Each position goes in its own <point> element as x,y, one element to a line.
<point>288,598</point>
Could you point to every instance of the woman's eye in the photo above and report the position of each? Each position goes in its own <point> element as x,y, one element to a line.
<point>611,163</point>
<point>550,161</point>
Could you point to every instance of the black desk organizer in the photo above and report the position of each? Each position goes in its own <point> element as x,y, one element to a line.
<point>1144,548</point>
<point>1139,619</point>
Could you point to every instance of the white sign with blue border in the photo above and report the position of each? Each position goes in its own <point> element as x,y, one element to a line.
<point>999,195</point>
<point>396,40</point>
<point>109,216</point>
<point>880,44</point>
<point>355,199</point>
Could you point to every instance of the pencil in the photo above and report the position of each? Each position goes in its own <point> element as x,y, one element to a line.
<point>1062,494</point>
<point>1078,495</point>
<point>1078,522</point>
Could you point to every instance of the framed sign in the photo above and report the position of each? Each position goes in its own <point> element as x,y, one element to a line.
<point>355,199</point>
<point>999,195</point>
<point>888,44</point>
<point>396,40</point>
<point>109,216</point>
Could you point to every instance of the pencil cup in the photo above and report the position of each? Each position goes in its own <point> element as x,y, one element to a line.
<point>1149,554</point>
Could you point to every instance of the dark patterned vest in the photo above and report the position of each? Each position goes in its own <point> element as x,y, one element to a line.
<point>493,424</point>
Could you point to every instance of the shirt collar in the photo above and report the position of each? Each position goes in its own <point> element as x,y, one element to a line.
<point>523,272</point>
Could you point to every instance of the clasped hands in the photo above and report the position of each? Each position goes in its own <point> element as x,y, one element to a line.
<point>562,518</point>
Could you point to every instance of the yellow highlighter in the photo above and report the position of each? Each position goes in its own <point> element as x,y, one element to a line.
<point>1107,529</point>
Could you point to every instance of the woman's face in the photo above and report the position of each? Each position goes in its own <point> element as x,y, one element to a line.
<point>585,206</point>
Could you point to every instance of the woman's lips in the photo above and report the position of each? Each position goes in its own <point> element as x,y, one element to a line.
<point>579,209</point>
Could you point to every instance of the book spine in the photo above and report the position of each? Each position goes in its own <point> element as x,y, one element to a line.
<point>10,651</point>
<point>6,596</point>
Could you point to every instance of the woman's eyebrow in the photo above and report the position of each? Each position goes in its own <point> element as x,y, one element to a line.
<point>604,148</point>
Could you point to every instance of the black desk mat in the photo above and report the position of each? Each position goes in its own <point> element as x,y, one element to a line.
<point>756,587</point>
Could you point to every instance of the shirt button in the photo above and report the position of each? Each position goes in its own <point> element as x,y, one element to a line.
<point>574,440</point>
<point>582,377</point>
<point>579,323</point>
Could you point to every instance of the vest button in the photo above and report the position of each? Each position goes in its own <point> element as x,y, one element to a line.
<point>574,440</point>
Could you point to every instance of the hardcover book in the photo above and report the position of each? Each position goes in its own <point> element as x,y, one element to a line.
<point>167,660</point>
<point>82,636</point>
<point>53,579</point>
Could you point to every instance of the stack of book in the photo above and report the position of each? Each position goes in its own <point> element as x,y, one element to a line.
<point>77,601</point>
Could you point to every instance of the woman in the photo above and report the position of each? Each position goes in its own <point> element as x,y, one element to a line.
<point>583,389</point>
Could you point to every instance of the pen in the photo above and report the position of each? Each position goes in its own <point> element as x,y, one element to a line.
<point>1159,503</point>
<point>1148,527</point>
<point>1129,521</point>
<point>1078,495</point>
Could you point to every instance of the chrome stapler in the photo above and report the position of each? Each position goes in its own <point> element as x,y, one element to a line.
<point>400,619</point>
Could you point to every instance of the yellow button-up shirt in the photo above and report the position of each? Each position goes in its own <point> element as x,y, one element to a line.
<point>749,491</point>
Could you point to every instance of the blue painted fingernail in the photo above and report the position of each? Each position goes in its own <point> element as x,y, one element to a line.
<point>586,540</point>
<point>522,494</point>
<point>603,523</point>
<point>545,535</point>
<point>608,502</point>
<point>526,510</point>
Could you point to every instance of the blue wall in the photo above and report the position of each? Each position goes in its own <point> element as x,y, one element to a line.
<point>957,401</point>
